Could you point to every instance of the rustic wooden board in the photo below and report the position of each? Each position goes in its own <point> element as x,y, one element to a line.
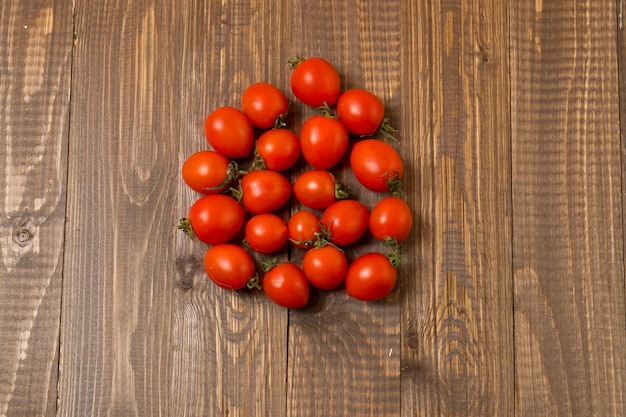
<point>35,67</point>
<point>570,332</point>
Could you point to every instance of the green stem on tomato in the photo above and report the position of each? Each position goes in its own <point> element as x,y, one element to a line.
<point>387,130</point>
<point>185,225</point>
<point>394,183</point>
<point>295,61</point>
<point>394,255</point>
<point>325,110</point>
<point>341,191</point>
<point>254,283</point>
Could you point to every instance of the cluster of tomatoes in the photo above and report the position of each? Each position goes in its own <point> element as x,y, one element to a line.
<point>239,212</point>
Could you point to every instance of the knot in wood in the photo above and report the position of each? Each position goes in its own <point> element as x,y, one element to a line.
<point>24,234</point>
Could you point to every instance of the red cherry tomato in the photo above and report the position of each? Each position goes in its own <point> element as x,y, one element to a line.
<point>346,221</point>
<point>370,277</point>
<point>207,172</point>
<point>391,217</point>
<point>315,81</point>
<point>302,228</point>
<point>317,189</point>
<point>361,111</point>
<point>377,165</point>
<point>286,285</point>
<point>279,149</point>
<point>229,132</point>
<point>229,266</point>
<point>266,233</point>
<point>323,141</point>
<point>264,191</point>
<point>264,104</point>
<point>216,218</point>
<point>325,267</point>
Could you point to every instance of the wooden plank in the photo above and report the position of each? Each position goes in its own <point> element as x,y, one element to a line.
<point>457,345</point>
<point>35,67</point>
<point>570,330</point>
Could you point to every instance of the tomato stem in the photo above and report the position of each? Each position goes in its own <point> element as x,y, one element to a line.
<point>254,283</point>
<point>341,191</point>
<point>268,264</point>
<point>394,183</point>
<point>394,255</point>
<point>237,192</point>
<point>295,61</point>
<point>185,225</point>
<point>387,130</point>
<point>279,123</point>
<point>258,162</point>
<point>328,112</point>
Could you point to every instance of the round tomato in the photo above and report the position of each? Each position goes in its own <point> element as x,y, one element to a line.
<point>215,219</point>
<point>361,111</point>
<point>391,217</point>
<point>229,266</point>
<point>265,105</point>
<point>266,233</point>
<point>264,191</point>
<point>229,132</point>
<point>302,228</point>
<point>323,140</point>
<point>325,267</point>
<point>317,189</point>
<point>286,285</point>
<point>377,165</point>
<point>345,221</point>
<point>370,277</point>
<point>315,81</point>
<point>208,172</point>
<point>278,149</point>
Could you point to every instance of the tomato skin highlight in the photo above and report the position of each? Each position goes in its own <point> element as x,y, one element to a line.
<point>361,111</point>
<point>315,81</point>
<point>286,285</point>
<point>325,267</point>
<point>229,132</point>
<point>216,218</point>
<point>264,191</point>
<point>229,266</point>
<point>279,149</point>
<point>302,227</point>
<point>266,233</point>
<point>374,163</point>
<point>263,103</point>
<point>323,141</point>
<point>370,277</point>
<point>206,172</point>
<point>346,221</point>
<point>315,189</point>
<point>391,217</point>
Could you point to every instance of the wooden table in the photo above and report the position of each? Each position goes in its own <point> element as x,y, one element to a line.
<point>511,298</point>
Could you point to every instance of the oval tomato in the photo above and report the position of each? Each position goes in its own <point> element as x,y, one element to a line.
<point>377,165</point>
<point>229,266</point>
<point>265,105</point>
<point>286,285</point>
<point>345,221</point>
<point>317,189</point>
<point>325,267</point>
<point>216,218</point>
<point>370,277</point>
<point>207,172</point>
<point>266,233</point>
<point>323,141</point>
<point>302,228</point>
<point>229,132</point>
<point>391,217</point>
<point>278,149</point>
<point>361,111</point>
<point>315,81</point>
<point>264,191</point>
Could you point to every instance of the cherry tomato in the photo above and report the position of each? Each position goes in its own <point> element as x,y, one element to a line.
<point>361,111</point>
<point>346,221</point>
<point>229,132</point>
<point>266,233</point>
<point>229,266</point>
<point>264,191</point>
<point>264,104</point>
<point>391,217</point>
<point>279,149</point>
<point>315,81</point>
<point>302,228</point>
<point>286,285</point>
<point>317,189</point>
<point>370,277</point>
<point>324,140</point>
<point>377,165</point>
<point>216,218</point>
<point>325,267</point>
<point>207,172</point>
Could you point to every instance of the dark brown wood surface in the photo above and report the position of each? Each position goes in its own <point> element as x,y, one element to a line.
<point>511,299</point>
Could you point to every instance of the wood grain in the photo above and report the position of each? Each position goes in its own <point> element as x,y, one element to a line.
<point>570,333</point>
<point>35,68</point>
